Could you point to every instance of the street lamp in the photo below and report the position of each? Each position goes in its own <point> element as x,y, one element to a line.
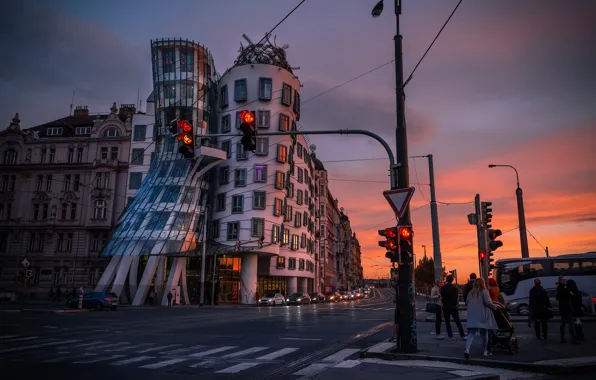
<point>424,246</point>
<point>377,10</point>
<point>523,237</point>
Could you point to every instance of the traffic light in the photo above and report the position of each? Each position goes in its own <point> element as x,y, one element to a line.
<point>487,215</point>
<point>186,136</point>
<point>173,127</point>
<point>493,244</point>
<point>391,243</point>
<point>28,273</point>
<point>249,140</point>
<point>406,247</point>
<point>482,257</point>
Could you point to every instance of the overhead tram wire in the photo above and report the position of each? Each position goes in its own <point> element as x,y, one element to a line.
<point>474,243</point>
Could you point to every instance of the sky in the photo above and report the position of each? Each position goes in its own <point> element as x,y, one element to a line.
<point>506,83</point>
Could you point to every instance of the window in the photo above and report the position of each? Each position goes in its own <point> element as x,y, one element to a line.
<point>225,124</point>
<point>237,204</point>
<point>301,261</point>
<point>303,240</point>
<point>240,177</point>
<point>67,179</point>
<point>294,246</point>
<point>158,220</point>
<point>49,182</point>
<point>298,219</point>
<point>82,130</point>
<point>305,218</point>
<point>262,146</point>
<point>36,242</point>
<point>300,174</point>
<point>282,153</point>
<point>286,95</point>
<point>5,211</point>
<point>134,181</point>
<point>139,133</point>
<point>297,104</point>
<point>290,190</point>
<point>240,153</point>
<point>73,211</point>
<point>221,202</point>
<point>259,200</point>
<point>39,182</point>
<point>100,210</point>
<point>258,227</point>
<point>281,261</point>
<point>292,262</point>
<point>70,157</point>
<point>225,146</point>
<point>213,230</point>
<point>275,234</point>
<point>299,197</point>
<point>10,157</point>
<point>137,156</point>
<point>79,155</point>
<point>277,207</point>
<point>284,123</point>
<point>98,241</point>
<point>182,221</point>
<point>224,173</point>
<point>187,59</point>
<point>233,228</point>
<point>52,156</point>
<point>288,213</point>
<point>260,173</point>
<point>113,153</point>
<point>54,131</point>
<point>286,238</point>
<point>171,194</point>
<point>280,180</point>
<point>263,119</point>
<point>240,90</point>
<point>265,88</point>
<point>111,132</point>
<point>8,182</point>
<point>42,156</point>
<point>187,91</point>
<point>77,182</point>
<point>169,60</point>
<point>223,96</point>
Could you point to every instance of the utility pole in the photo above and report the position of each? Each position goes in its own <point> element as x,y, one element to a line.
<point>434,216</point>
<point>203,254</point>
<point>546,251</point>
<point>481,235</point>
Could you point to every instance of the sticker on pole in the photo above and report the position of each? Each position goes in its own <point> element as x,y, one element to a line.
<point>25,263</point>
<point>399,199</point>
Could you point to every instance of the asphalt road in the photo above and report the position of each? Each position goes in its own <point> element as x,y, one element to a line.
<point>213,342</point>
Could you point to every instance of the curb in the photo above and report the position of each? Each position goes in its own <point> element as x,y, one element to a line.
<point>72,311</point>
<point>517,320</point>
<point>550,369</point>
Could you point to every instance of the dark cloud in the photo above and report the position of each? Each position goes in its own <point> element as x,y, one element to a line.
<point>47,54</point>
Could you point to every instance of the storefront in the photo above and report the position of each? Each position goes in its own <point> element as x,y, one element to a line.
<point>229,279</point>
<point>272,284</point>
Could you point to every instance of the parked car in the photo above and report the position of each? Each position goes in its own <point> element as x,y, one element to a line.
<point>316,298</point>
<point>332,297</point>
<point>346,296</point>
<point>272,299</point>
<point>96,300</point>
<point>298,299</point>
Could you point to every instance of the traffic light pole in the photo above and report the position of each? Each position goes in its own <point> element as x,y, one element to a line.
<point>481,234</point>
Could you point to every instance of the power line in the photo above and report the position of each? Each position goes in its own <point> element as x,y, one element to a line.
<point>536,240</point>
<point>429,47</point>
<point>467,245</point>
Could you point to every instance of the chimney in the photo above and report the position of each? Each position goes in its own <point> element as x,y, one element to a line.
<point>127,109</point>
<point>81,111</point>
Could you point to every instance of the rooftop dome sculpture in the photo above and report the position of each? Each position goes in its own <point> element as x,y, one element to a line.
<point>264,52</point>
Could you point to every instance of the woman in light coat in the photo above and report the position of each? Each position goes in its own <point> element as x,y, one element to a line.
<point>480,316</point>
<point>435,297</point>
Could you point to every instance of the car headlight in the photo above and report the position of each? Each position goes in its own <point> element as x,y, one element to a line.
<point>512,304</point>
<point>288,300</point>
<point>299,299</point>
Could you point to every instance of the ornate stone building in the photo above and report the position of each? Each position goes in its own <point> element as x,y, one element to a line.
<point>62,187</point>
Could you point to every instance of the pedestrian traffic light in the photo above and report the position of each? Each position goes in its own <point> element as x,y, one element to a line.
<point>391,243</point>
<point>247,126</point>
<point>406,247</point>
<point>481,256</point>
<point>487,215</point>
<point>186,136</point>
<point>28,273</point>
<point>493,244</point>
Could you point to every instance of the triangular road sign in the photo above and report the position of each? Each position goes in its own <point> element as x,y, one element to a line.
<point>399,199</point>
<point>25,263</point>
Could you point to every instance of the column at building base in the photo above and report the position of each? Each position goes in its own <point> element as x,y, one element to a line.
<point>292,285</point>
<point>303,284</point>
<point>248,282</point>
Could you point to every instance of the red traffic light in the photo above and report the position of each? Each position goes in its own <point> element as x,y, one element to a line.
<point>187,139</point>
<point>482,255</point>
<point>493,234</point>
<point>184,125</point>
<point>247,117</point>
<point>406,233</point>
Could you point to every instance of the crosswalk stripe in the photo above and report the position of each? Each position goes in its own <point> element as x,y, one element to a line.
<point>8,337</point>
<point>341,355</point>
<point>391,308</point>
<point>278,354</point>
<point>347,364</point>
<point>244,352</point>
<point>61,358</point>
<point>204,363</point>
<point>108,345</point>
<point>213,351</point>
<point>238,367</point>
<point>79,345</point>
<point>20,339</point>
<point>181,350</point>
<point>158,348</point>
<point>312,369</point>
<point>23,348</point>
<point>128,347</point>
<point>103,359</point>
<point>133,360</point>
<point>163,364</point>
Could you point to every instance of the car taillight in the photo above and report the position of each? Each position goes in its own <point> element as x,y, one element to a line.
<point>107,299</point>
<point>593,299</point>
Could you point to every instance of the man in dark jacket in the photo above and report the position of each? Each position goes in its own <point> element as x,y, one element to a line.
<point>565,308</point>
<point>468,287</point>
<point>540,308</point>
<point>450,297</point>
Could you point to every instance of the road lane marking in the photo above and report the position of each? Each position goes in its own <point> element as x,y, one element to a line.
<point>238,367</point>
<point>181,350</point>
<point>278,354</point>
<point>212,351</point>
<point>79,345</point>
<point>20,339</point>
<point>23,348</point>
<point>203,364</point>
<point>163,364</point>
<point>133,360</point>
<point>59,359</point>
<point>347,364</point>
<point>312,369</point>
<point>158,348</point>
<point>129,347</point>
<point>108,345</point>
<point>341,355</point>
<point>103,359</point>
<point>300,339</point>
<point>244,352</point>
<point>8,336</point>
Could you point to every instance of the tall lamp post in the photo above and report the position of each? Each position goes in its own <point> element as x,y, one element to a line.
<point>523,237</point>
<point>408,338</point>
<point>424,246</point>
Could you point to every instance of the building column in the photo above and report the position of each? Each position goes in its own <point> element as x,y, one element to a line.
<point>292,285</point>
<point>122,275</point>
<point>248,282</point>
<point>303,284</point>
<point>143,289</point>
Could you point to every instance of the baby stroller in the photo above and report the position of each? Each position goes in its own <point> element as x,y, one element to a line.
<point>503,338</point>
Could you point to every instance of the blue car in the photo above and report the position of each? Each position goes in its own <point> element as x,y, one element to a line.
<point>96,300</point>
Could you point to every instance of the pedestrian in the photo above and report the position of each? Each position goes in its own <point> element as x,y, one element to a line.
<point>468,287</point>
<point>450,300</point>
<point>576,309</point>
<point>480,316</point>
<point>540,308</point>
<point>170,296</point>
<point>565,309</point>
<point>493,290</point>
<point>435,297</point>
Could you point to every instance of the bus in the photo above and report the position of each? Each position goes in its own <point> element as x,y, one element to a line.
<point>516,277</point>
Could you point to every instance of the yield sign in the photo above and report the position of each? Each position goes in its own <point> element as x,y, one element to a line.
<point>25,263</point>
<point>399,199</point>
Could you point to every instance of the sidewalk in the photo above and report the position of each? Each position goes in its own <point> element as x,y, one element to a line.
<point>549,357</point>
